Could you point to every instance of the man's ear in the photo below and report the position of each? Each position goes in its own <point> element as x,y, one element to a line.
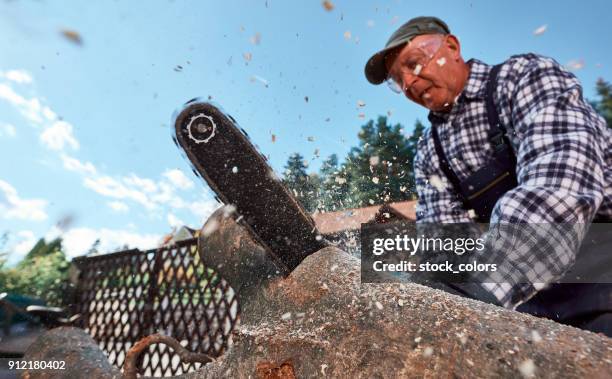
<point>454,47</point>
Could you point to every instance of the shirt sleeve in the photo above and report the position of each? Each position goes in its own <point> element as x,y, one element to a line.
<point>560,166</point>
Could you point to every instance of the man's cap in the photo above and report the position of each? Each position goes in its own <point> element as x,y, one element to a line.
<point>375,70</point>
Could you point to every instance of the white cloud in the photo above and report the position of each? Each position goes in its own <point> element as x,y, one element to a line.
<point>143,184</point>
<point>73,164</point>
<point>203,208</point>
<point>7,130</point>
<point>154,196</point>
<point>26,241</point>
<point>144,191</point>
<point>77,241</point>
<point>174,221</point>
<point>17,76</point>
<point>166,195</point>
<point>14,207</point>
<point>157,196</point>
<point>178,179</point>
<point>106,186</point>
<point>31,109</point>
<point>118,206</point>
<point>21,244</point>
<point>49,114</point>
<point>111,187</point>
<point>58,135</point>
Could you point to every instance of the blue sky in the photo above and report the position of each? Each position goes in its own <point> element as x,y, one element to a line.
<point>84,129</point>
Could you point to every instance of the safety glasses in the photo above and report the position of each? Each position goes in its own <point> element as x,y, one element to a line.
<point>411,65</point>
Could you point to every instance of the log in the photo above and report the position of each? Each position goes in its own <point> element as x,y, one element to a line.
<point>322,322</point>
<point>81,354</point>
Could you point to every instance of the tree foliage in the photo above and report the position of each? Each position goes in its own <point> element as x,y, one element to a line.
<point>381,165</point>
<point>378,170</point>
<point>603,105</point>
<point>334,192</point>
<point>40,274</point>
<point>305,187</point>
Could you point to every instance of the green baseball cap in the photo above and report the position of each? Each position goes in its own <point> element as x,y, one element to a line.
<point>375,70</point>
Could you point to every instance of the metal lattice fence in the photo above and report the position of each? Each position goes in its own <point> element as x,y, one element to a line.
<point>125,296</point>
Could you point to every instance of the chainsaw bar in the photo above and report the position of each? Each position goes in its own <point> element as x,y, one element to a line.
<point>222,154</point>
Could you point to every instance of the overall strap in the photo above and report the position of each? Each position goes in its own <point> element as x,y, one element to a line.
<point>444,165</point>
<point>496,136</point>
<point>497,131</point>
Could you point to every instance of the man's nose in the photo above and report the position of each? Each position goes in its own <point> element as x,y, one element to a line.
<point>413,85</point>
<point>408,81</point>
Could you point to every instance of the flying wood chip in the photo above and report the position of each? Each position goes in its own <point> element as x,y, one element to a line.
<point>72,36</point>
<point>328,5</point>
<point>541,30</point>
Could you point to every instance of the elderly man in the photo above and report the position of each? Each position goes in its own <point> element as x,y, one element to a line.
<point>514,143</point>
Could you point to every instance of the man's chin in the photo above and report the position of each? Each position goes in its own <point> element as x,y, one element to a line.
<point>437,107</point>
<point>432,104</point>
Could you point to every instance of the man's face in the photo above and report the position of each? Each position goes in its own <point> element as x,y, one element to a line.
<point>428,69</point>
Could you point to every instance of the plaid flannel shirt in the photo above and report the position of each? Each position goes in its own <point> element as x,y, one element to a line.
<point>564,166</point>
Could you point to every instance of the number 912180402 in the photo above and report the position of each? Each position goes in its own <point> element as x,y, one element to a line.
<point>36,365</point>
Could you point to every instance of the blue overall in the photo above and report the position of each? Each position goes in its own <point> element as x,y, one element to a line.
<point>584,305</point>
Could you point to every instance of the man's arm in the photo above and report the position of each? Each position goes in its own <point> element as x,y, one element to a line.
<point>560,174</point>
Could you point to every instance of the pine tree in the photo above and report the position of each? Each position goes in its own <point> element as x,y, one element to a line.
<point>334,189</point>
<point>3,254</point>
<point>303,186</point>
<point>604,104</point>
<point>313,192</point>
<point>42,248</point>
<point>4,239</point>
<point>93,249</point>
<point>413,142</point>
<point>381,166</point>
